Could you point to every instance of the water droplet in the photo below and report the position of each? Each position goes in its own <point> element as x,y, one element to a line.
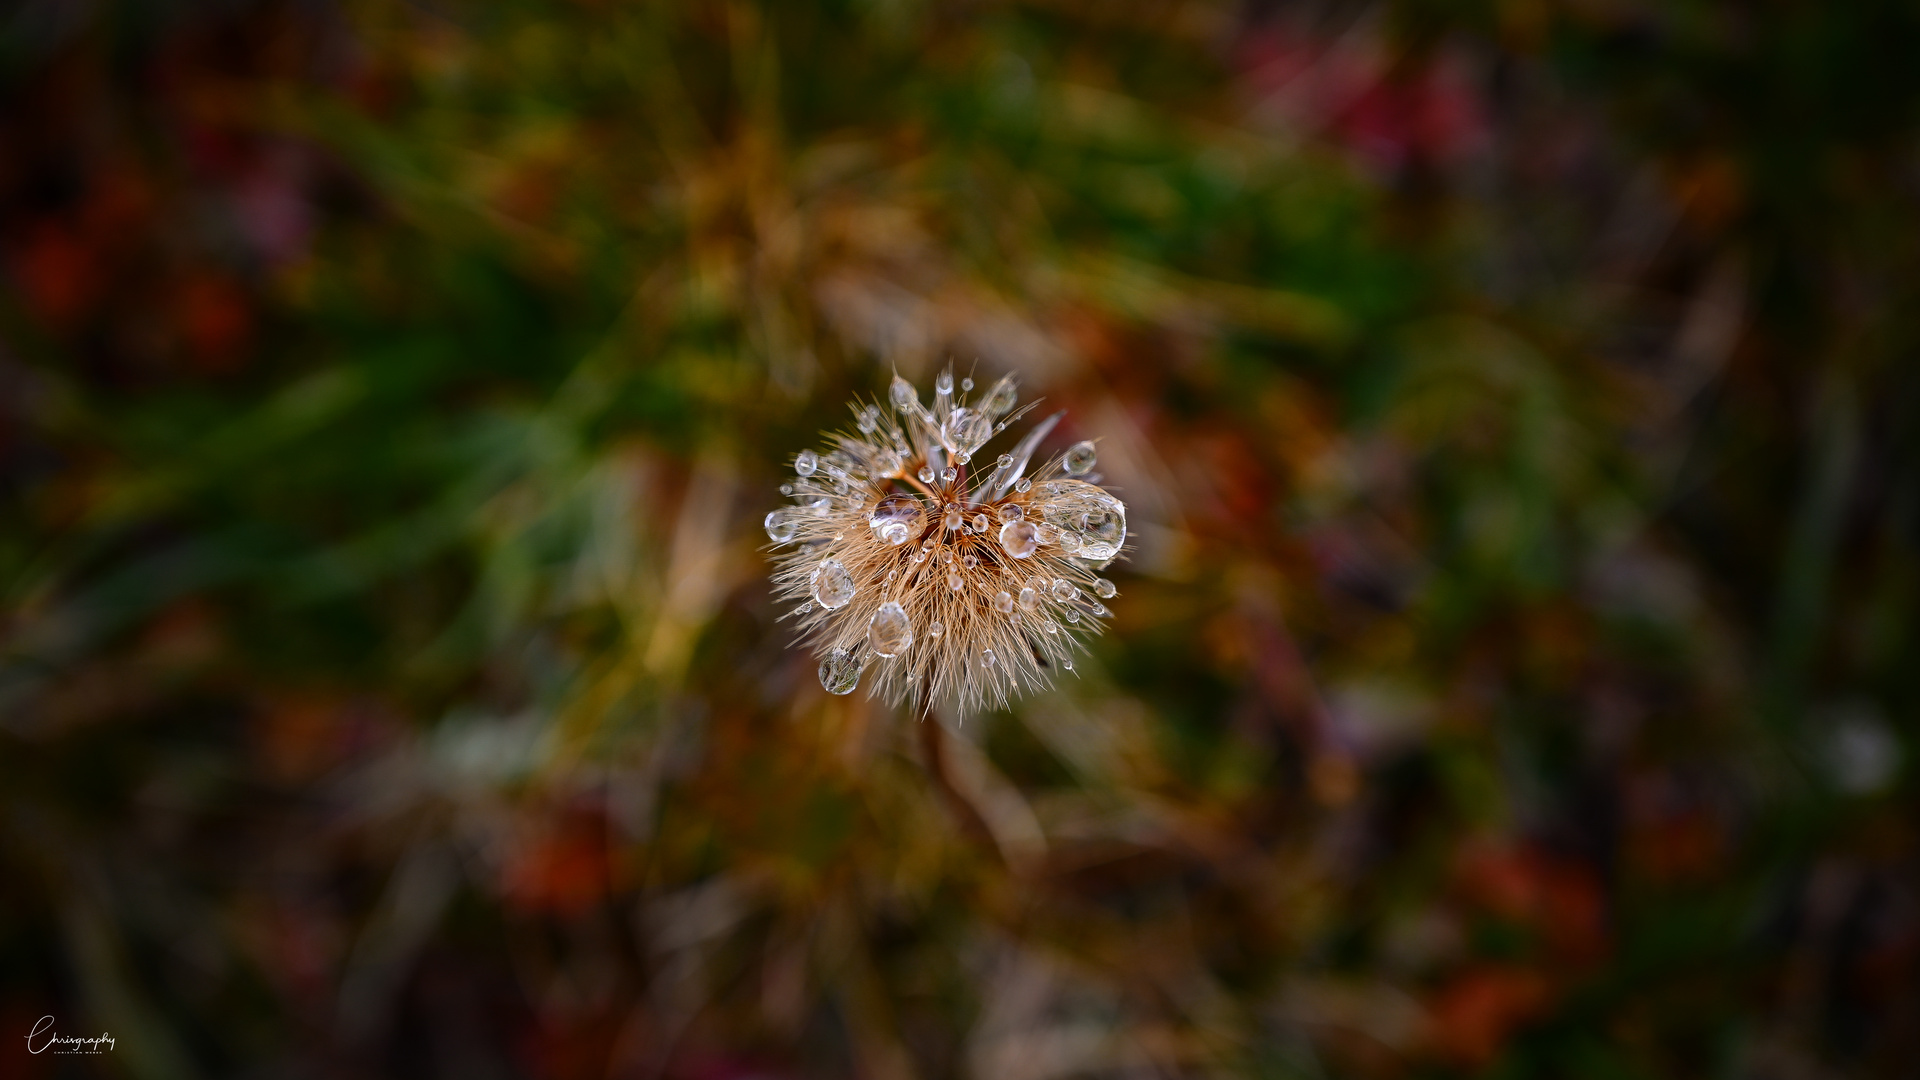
<point>1029,599</point>
<point>1000,398</point>
<point>920,556</point>
<point>1012,512</point>
<point>1091,523</point>
<point>1079,458</point>
<point>966,384</point>
<point>806,463</point>
<point>970,562</point>
<point>1103,588</point>
<point>1049,627</point>
<point>1003,601</point>
<point>1019,539</point>
<point>839,672</point>
<point>954,582</point>
<point>892,574</point>
<point>926,474</point>
<point>781,527</point>
<point>902,392</point>
<point>935,629</point>
<point>952,518</point>
<point>885,463</point>
<point>894,518</point>
<point>1063,589</point>
<point>832,585</point>
<point>1095,607</point>
<point>964,430</point>
<point>949,474</point>
<point>1021,485</point>
<point>946,556</point>
<point>980,523</point>
<point>987,657</point>
<point>1073,614</point>
<point>889,630</point>
<point>962,456</point>
<point>822,507</point>
<point>944,382</point>
<point>1067,663</point>
<point>786,489</point>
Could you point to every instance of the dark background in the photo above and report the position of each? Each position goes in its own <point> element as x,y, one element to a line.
<point>1513,674</point>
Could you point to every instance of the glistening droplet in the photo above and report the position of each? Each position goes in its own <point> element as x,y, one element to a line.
<point>987,657</point>
<point>1019,539</point>
<point>954,581</point>
<point>902,393</point>
<point>832,585</point>
<point>1003,601</point>
<point>895,517</point>
<point>943,382</point>
<point>839,672</point>
<point>925,474</point>
<point>1029,599</point>
<point>806,463</point>
<point>1103,588</point>
<point>1079,458</point>
<point>890,631</point>
<point>935,629</point>
<point>1063,589</point>
<point>952,518</point>
<point>1012,512</point>
<point>781,526</point>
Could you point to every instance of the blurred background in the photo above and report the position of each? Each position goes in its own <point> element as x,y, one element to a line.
<point>1514,668</point>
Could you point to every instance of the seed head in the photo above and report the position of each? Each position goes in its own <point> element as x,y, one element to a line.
<point>936,573</point>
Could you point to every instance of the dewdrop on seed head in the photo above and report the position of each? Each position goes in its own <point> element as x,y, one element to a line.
<point>922,559</point>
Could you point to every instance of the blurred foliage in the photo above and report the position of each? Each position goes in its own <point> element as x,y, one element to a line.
<point>1511,675</point>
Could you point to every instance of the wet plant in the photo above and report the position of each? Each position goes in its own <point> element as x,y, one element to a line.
<point>948,575</point>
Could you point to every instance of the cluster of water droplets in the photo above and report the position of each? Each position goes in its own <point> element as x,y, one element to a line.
<point>1059,506</point>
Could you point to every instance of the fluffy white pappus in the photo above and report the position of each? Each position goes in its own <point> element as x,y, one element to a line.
<point>932,573</point>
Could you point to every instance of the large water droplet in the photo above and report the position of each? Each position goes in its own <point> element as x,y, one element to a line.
<point>952,518</point>
<point>1090,523</point>
<point>832,585</point>
<point>1073,614</point>
<point>1019,538</point>
<point>890,631</point>
<point>1079,458</point>
<point>1003,601</point>
<point>839,672</point>
<point>1012,512</point>
<point>1063,589</point>
<point>806,463</point>
<point>885,463</point>
<point>895,517</point>
<point>1029,599</point>
<point>1103,588</point>
<point>979,523</point>
<point>949,474</point>
<point>943,382</point>
<point>964,430</point>
<point>1000,398</point>
<point>926,474</point>
<point>781,526</point>
<point>902,393</point>
<point>1021,485</point>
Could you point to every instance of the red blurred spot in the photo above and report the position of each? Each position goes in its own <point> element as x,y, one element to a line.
<point>57,272</point>
<point>215,323</point>
<point>563,868</point>
<point>1475,1013</point>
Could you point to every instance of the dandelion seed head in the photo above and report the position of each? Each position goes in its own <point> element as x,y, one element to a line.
<point>931,572</point>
